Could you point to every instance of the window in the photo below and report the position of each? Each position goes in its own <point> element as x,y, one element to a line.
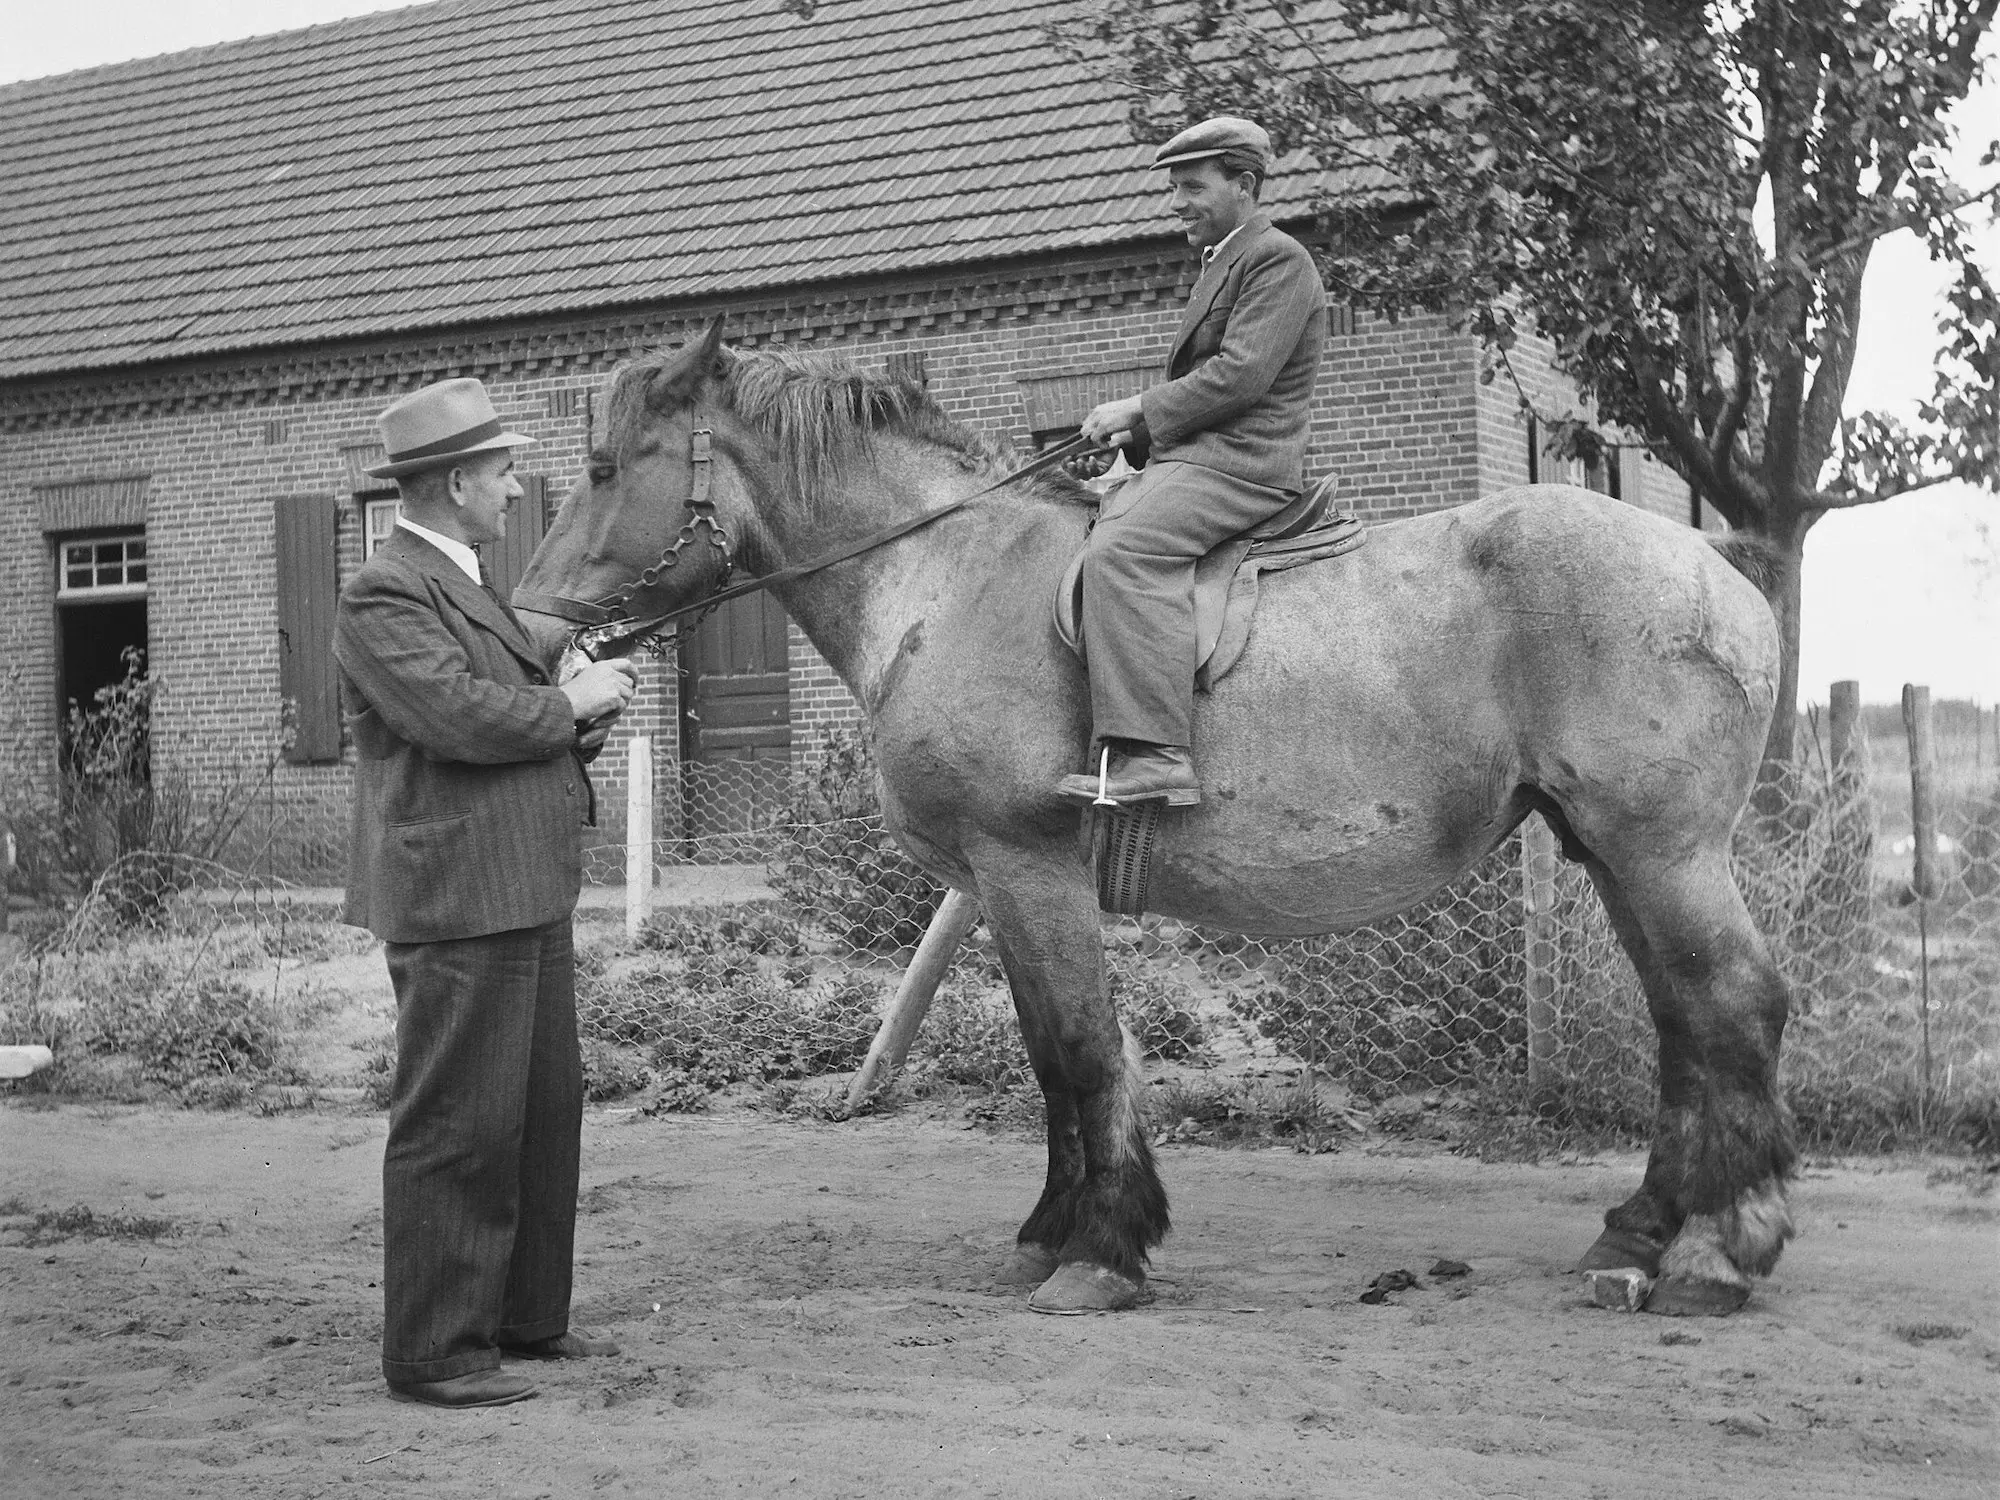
<point>104,567</point>
<point>378,521</point>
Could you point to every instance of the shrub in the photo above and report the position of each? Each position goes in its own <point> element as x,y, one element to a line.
<point>1430,996</point>
<point>1157,1007</point>
<point>113,824</point>
<point>839,867</point>
<point>711,1019</point>
<point>971,1037</point>
<point>171,1013</point>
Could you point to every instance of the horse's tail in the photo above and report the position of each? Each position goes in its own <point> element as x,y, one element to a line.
<point>1756,558</point>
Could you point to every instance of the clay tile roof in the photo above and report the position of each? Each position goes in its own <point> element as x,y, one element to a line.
<point>469,161</point>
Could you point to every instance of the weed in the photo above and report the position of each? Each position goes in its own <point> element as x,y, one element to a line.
<point>611,1072</point>
<point>758,930</point>
<point>710,1019</point>
<point>81,1222</point>
<point>172,1013</point>
<point>1156,1005</point>
<point>839,864</point>
<point>1924,1333</point>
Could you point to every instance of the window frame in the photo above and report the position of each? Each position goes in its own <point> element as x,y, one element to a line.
<point>371,507</point>
<point>104,593</point>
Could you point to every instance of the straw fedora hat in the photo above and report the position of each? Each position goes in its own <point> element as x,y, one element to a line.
<point>433,426</point>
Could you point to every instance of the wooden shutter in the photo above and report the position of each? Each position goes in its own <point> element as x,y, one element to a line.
<point>506,560</point>
<point>306,597</point>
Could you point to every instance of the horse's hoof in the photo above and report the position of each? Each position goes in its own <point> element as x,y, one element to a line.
<point>1617,1248</point>
<point>1027,1265</point>
<point>1081,1287</point>
<point>1677,1296</point>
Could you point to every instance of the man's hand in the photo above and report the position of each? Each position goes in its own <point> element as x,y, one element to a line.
<point>590,737</point>
<point>1112,423</point>
<point>601,690</point>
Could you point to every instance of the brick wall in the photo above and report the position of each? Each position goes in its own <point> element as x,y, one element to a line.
<point>1504,434</point>
<point>1399,418</point>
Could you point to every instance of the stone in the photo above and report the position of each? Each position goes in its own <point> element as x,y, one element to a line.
<point>1623,1289</point>
<point>19,1062</point>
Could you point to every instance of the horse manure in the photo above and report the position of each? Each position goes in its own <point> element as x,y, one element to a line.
<point>1389,1281</point>
<point>1445,1269</point>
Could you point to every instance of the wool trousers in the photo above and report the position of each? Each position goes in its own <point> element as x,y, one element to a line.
<point>1138,593</point>
<point>485,1125</point>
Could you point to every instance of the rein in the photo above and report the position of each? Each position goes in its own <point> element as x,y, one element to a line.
<point>606,620</point>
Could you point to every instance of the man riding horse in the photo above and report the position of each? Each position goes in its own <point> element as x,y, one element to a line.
<point>1222,443</point>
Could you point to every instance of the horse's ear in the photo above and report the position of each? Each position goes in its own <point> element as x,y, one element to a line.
<point>678,382</point>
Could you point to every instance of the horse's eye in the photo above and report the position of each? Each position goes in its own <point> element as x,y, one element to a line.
<point>602,473</point>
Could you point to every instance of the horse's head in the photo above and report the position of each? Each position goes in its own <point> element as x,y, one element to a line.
<point>652,523</point>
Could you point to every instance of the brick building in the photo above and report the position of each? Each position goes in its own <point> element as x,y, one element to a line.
<point>221,264</point>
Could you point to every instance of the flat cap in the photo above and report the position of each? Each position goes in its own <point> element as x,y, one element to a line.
<point>1213,137</point>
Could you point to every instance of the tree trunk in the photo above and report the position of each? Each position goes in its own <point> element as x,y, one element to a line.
<point>1775,780</point>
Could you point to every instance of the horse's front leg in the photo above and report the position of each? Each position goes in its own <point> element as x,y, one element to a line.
<point>1103,1207</point>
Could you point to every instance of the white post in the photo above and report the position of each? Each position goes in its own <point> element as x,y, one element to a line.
<point>1538,891</point>
<point>638,832</point>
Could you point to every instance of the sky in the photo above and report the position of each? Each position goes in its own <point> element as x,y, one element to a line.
<point>1903,592</point>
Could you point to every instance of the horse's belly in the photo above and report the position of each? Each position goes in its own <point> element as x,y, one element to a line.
<point>1325,878</point>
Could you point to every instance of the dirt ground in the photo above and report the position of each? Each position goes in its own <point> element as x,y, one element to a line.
<point>807,1309</point>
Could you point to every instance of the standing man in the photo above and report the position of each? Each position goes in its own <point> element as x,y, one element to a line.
<point>1223,442</point>
<point>465,860</point>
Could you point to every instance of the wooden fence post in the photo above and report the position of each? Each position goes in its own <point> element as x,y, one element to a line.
<point>1843,714</point>
<point>1923,789</point>
<point>638,832</point>
<point>1923,861</point>
<point>1538,901</point>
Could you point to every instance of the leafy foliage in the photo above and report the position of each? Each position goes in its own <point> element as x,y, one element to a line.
<point>180,1014</point>
<point>709,1016</point>
<point>1431,997</point>
<point>841,868</point>
<point>114,818</point>
<point>1596,170</point>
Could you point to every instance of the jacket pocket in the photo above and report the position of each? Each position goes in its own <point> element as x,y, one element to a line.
<point>429,820</point>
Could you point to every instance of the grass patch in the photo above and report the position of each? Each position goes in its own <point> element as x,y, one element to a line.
<point>698,1008</point>
<point>79,1221</point>
<point>1925,1333</point>
<point>191,1018</point>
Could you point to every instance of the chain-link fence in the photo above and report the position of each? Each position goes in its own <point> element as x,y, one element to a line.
<point>768,953</point>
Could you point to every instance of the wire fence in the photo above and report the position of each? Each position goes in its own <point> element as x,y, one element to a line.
<point>770,948</point>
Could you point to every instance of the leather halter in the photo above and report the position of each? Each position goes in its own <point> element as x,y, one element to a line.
<point>606,620</point>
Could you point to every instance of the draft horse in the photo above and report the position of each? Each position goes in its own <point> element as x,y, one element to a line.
<point>1398,712</point>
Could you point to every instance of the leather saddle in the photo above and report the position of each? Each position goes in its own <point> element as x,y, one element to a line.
<point>1226,580</point>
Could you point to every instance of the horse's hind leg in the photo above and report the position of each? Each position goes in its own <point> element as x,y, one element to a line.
<point>1711,1211</point>
<point>1102,1208</point>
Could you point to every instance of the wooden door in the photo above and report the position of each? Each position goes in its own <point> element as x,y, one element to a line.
<point>736,723</point>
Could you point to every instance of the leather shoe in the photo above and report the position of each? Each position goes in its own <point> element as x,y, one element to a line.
<point>1144,773</point>
<point>577,1343</point>
<point>479,1388</point>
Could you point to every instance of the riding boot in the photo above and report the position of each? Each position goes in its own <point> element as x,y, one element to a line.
<point>1137,772</point>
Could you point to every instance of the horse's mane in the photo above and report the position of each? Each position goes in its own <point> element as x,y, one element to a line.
<point>822,412</point>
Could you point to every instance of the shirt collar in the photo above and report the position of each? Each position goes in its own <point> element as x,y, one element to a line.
<point>1216,249</point>
<point>457,551</point>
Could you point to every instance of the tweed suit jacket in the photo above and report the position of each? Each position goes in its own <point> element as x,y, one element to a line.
<point>469,793</point>
<point>1238,393</point>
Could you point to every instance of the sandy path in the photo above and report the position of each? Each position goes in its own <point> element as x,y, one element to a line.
<point>827,1326</point>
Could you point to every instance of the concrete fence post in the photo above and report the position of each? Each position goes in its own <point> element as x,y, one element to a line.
<point>1538,901</point>
<point>638,832</point>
